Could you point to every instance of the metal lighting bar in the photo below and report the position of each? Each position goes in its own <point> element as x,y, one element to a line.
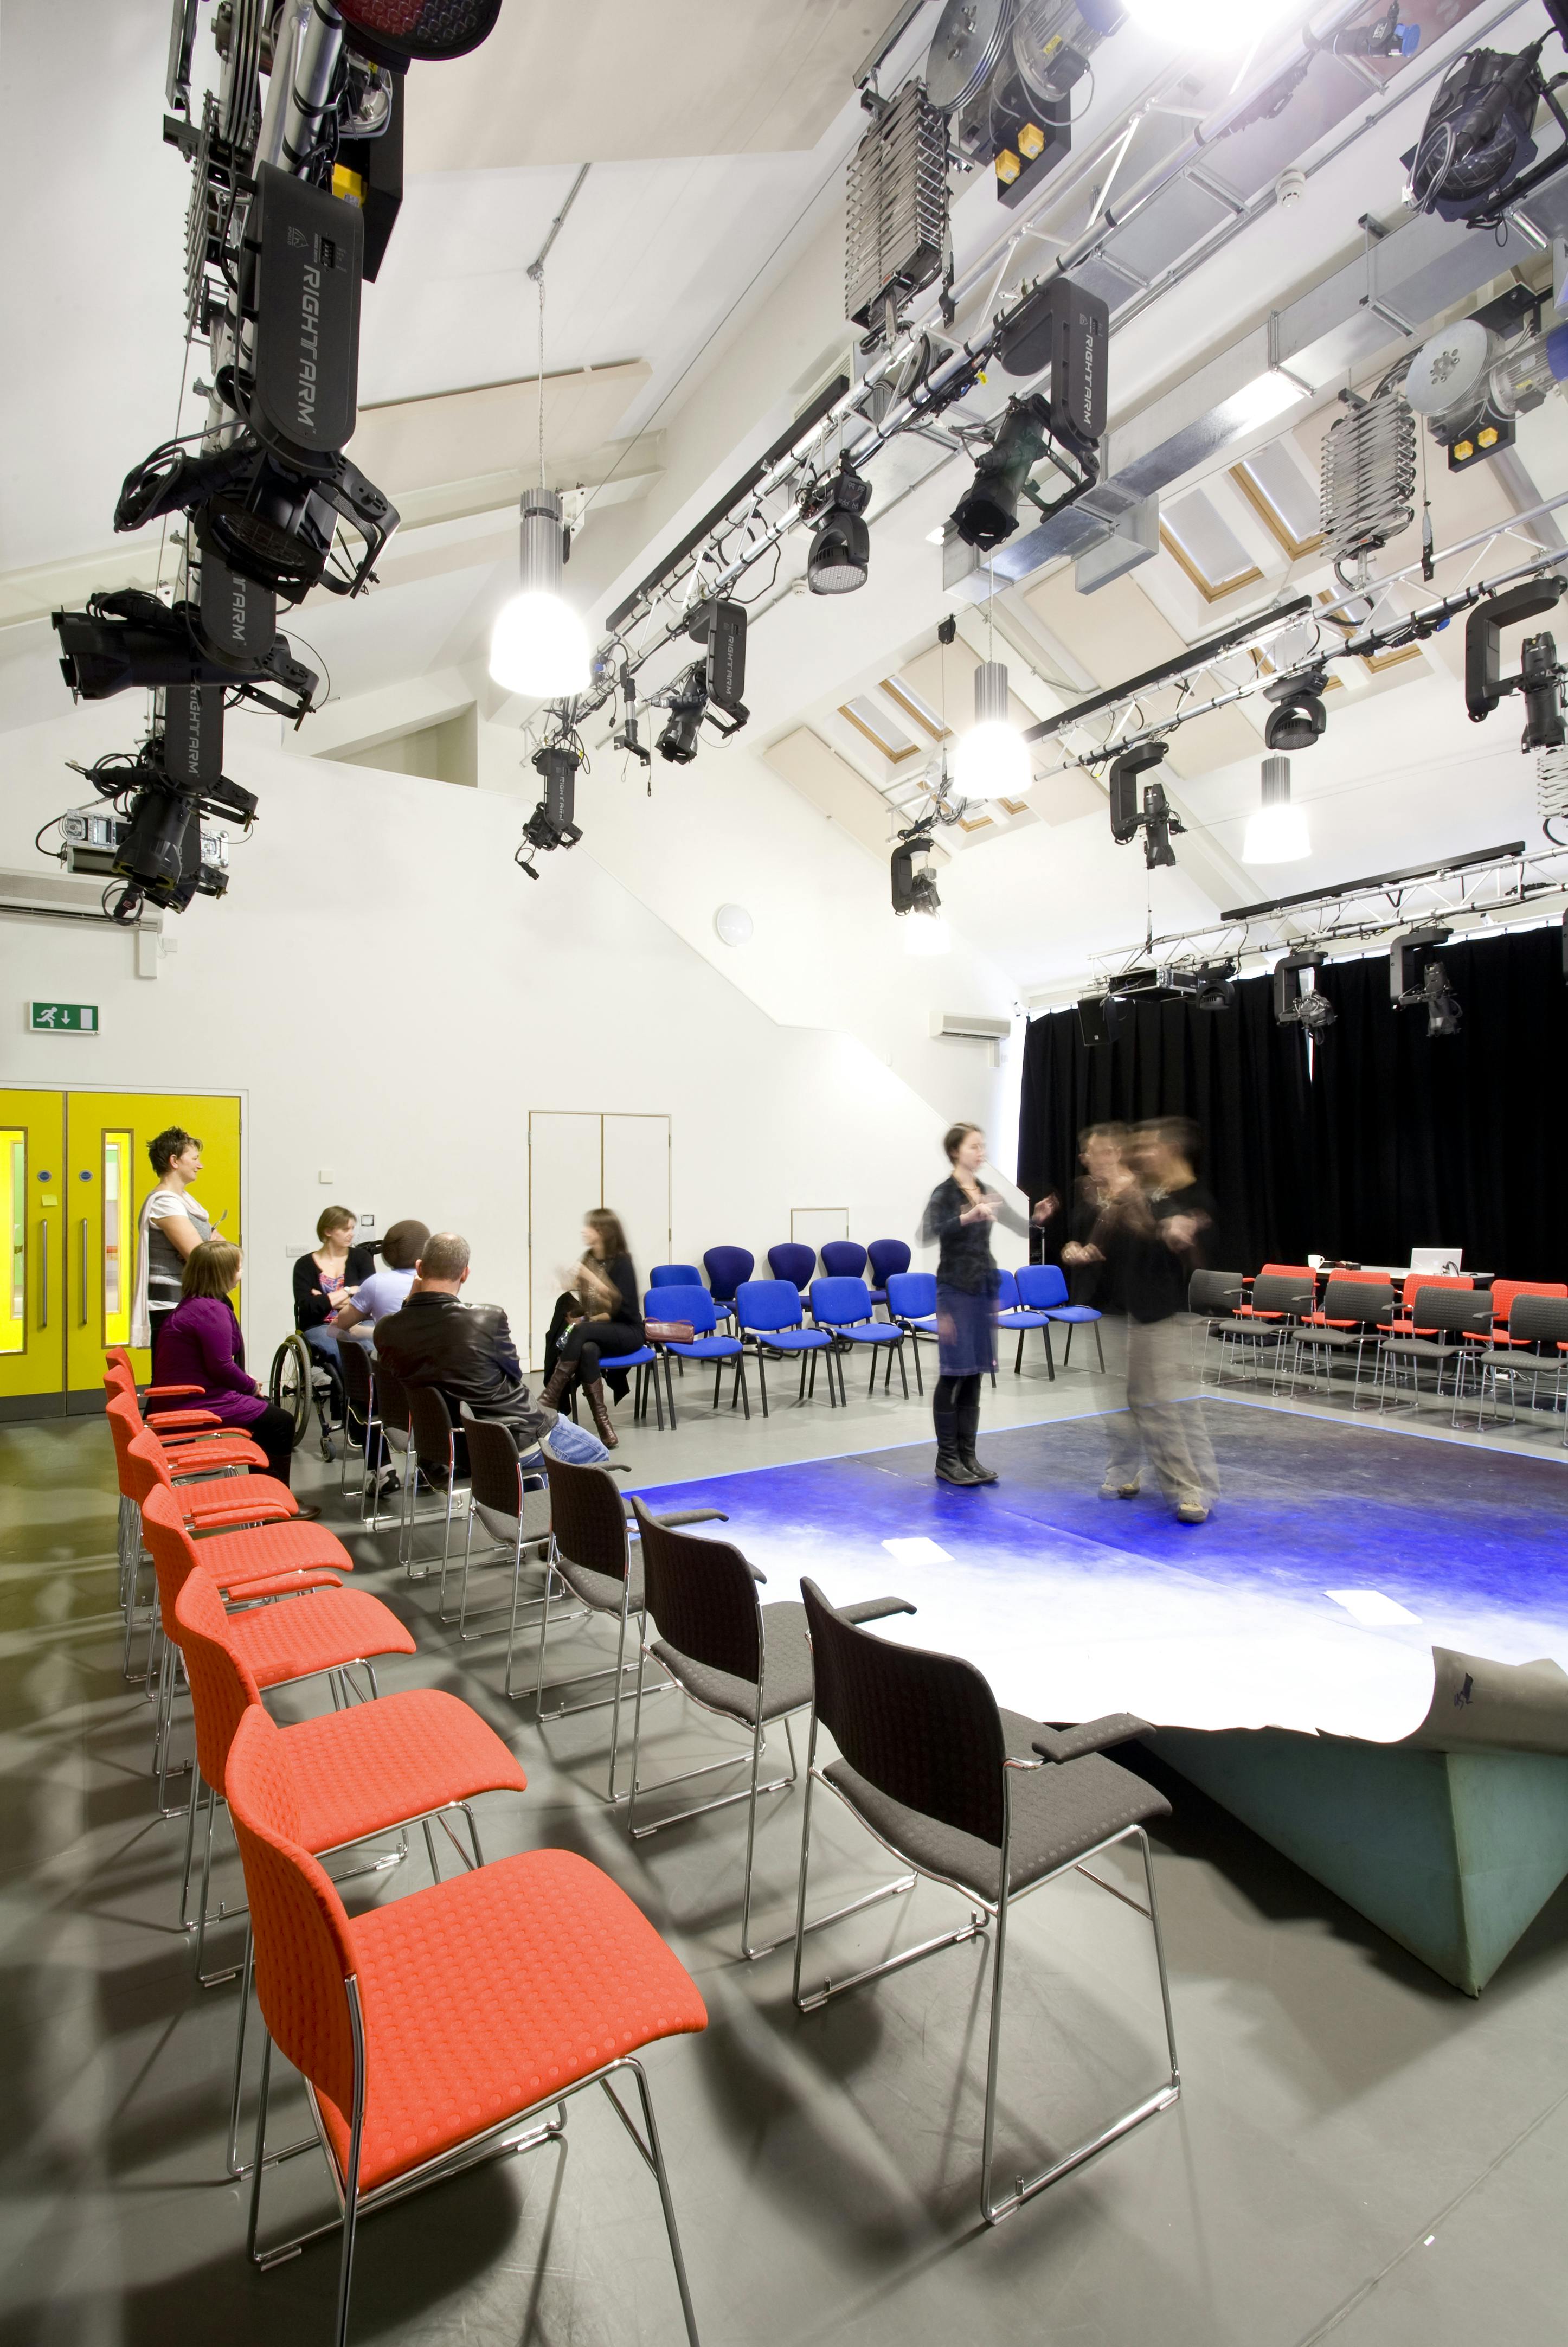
<point>1508,854</point>
<point>808,418</point>
<point>1184,664</point>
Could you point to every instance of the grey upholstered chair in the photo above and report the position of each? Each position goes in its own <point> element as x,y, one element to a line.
<point>1441,1321</point>
<point>984,1800</point>
<point>733,1657</point>
<point>1346,1326</point>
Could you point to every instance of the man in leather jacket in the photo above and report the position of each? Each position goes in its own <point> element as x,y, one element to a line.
<point>465,1350</point>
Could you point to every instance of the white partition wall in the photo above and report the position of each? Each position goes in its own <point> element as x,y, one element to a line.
<point>637,1154</point>
<point>580,1158</point>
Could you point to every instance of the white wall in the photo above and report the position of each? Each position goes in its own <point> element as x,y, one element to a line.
<point>392,997</point>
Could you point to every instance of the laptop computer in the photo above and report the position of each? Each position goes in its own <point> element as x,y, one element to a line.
<point>1438,1259</point>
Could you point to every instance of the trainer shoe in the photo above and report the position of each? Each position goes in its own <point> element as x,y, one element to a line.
<point>1192,1512</point>
<point>1109,1490</point>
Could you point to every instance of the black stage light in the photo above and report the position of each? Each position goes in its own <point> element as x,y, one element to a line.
<point>402,32</point>
<point>159,847</point>
<point>1472,159</point>
<point>987,512</point>
<point>1298,1006</point>
<point>553,822</point>
<point>1123,785</point>
<point>721,629</point>
<point>840,556</point>
<point>687,701</point>
<point>129,639</point>
<point>914,874</point>
<point>1299,717</point>
<point>1417,981</point>
<point>1541,678</point>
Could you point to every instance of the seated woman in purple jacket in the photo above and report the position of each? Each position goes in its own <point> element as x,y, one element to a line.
<point>199,1343</point>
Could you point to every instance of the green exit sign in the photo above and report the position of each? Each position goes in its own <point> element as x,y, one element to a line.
<point>62,1018</point>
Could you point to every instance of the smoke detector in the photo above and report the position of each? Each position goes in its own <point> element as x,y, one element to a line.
<point>1289,188</point>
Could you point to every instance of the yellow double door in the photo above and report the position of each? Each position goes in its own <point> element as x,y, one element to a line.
<point>74,1174</point>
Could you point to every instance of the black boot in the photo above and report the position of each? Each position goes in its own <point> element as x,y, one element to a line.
<point>950,1467</point>
<point>968,1427</point>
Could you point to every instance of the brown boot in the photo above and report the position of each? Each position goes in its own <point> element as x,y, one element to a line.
<point>600,1409</point>
<point>555,1393</point>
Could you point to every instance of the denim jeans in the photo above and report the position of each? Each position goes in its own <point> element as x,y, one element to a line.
<point>570,1442</point>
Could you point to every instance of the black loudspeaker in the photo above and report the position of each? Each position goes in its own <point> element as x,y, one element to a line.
<point>1100,1017</point>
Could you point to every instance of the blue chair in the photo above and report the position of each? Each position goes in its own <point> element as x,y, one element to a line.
<point>888,1258</point>
<point>843,1306</point>
<point>794,1262</point>
<point>675,1274</point>
<point>912,1307</point>
<point>1043,1287</point>
<point>1013,1312</point>
<point>726,1267</point>
<point>843,1259</point>
<point>692,1303</point>
<point>768,1314</point>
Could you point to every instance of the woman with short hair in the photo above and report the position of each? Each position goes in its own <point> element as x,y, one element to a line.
<point>958,1221</point>
<point>604,1283</point>
<point>172,1222</point>
<point>200,1345</point>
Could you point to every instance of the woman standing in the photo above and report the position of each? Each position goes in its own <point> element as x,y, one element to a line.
<point>322,1280</point>
<point>199,1343</point>
<point>605,1284</point>
<point>957,1220</point>
<point>172,1223</point>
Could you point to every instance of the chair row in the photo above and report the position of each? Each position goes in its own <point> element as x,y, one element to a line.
<point>1481,1341</point>
<point>729,1266</point>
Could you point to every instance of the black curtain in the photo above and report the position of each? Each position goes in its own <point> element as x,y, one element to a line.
<point>1242,1080</point>
<point>1397,1140</point>
<point>1447,1141</point>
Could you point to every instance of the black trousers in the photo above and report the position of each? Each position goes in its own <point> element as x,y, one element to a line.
<point>275,1430</point>
<point>588,1343</point>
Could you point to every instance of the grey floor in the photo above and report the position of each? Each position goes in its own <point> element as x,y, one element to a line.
<point>1360,2153</point>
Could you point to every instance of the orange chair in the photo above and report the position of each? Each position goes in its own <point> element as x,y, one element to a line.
<point>206,1456</point>
<point>279,1642</point>
<point>401,1760</point>
<point>434,2033</point>
<point>1402,1324</point>
<point>1503,1292</point>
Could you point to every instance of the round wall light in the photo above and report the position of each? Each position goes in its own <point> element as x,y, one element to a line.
<point>734,924</point>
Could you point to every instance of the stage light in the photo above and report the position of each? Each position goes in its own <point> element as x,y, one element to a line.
<point>1298,718</point>
<point>1215,26</point>
<point>987,512</point>
<point>1278,833</point>
<point>1474,155</point>
<point>1296,1005</point>
<point>1417,981</point>
<point>553,822</point>
<point>538,644</point>
<point>992,760</point>
<point>840,554</point>
<point>914,881</point>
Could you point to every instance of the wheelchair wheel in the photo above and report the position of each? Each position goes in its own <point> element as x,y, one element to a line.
<point>290,1385</point>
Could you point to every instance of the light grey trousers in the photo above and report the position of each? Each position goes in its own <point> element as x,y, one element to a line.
<point>1164,1419</point>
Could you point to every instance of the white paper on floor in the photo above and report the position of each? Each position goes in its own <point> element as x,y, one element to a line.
<point>918,1551</point>
<point>1371,1606</point>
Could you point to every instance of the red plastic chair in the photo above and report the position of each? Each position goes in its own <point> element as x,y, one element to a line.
<point>401,1760</point>
<point>433,2033</point>
<point>1402,1324</point>
<point>339,1627</point>
<point>207,1458</point>
<point>1503,1292</point>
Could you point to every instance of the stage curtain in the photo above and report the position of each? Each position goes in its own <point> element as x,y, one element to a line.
<point>1240,1078</point>
<point>1399,1139</point>
<point>1453,1139</point>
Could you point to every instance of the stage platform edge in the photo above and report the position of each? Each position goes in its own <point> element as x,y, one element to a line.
<point>1452,1853</point>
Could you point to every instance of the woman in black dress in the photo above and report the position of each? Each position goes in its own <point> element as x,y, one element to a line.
<point>604,1286</point>
<point>958,1221</point>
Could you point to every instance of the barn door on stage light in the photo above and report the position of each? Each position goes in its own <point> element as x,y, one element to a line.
<point>583,1158</point>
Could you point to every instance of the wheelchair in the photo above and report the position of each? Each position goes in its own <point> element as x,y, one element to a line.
<point>303,1381</point>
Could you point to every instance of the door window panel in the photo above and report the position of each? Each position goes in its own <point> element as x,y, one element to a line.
<point>117,1242</point>
<point>13,1221</point>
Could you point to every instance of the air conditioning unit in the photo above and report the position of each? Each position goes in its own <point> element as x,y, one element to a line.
<point>972,1026</point>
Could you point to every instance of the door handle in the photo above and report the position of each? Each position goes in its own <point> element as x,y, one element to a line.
<point>84,1279</point>
<point>44,1275</point>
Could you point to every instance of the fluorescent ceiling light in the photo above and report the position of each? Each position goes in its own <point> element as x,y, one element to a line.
<point>1277,834</point>
<point>926,935</point>
<point>934,536</point>
<point>1216,27</point>
<point>1258,401</point>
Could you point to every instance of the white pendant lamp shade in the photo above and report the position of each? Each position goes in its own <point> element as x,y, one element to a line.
<point>539,645</point>
<point>992,759</point>
<point>926,935</point>
<point>1278,833</point>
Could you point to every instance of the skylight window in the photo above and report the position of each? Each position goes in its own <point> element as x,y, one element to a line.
<point>885,736</point>
<point>1202,542</point>
<point>901,690</point>
<point>1282,496</point>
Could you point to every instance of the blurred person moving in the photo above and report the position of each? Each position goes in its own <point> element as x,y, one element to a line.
<point>1102,1153</point>
<point>200,1344</point>
<point>1150,1233</point>
<point>604,1283</point>
<point>958,1221</point>
<point>466,1352</point>
<point>322,1280</point>
<point>383,1289</point>
<point>172,1223</point>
